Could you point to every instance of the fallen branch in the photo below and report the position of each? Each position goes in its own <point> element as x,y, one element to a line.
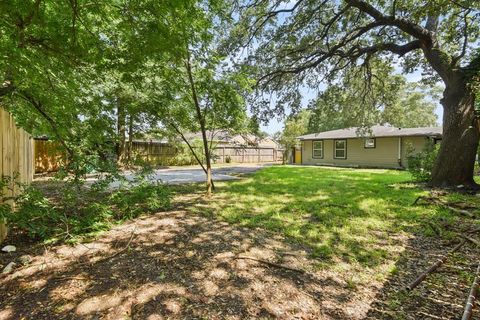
<point>60,278</point>
<point>472,240</point>
<point>467,313</point>
<point>439,202</point>
<point>435,266</point>
<point>132,235</point>
<point>272,264</point>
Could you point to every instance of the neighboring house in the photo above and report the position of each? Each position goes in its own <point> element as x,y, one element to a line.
<point>224,138</point>
<point>381,146</point>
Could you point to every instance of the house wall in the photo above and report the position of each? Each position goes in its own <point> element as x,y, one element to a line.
<point>385,153</point>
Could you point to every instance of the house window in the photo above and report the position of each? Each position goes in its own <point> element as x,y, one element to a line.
<point>340,149</point>
<point>369,143</point>
<point>317,149</point>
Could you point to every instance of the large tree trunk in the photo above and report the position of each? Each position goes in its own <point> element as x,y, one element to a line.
<point>456,158</point>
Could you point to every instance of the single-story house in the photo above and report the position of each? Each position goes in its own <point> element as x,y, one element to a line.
<point>223,138</point>
<point>380,146</point>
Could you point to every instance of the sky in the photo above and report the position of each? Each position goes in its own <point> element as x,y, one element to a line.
<point>276,125</point>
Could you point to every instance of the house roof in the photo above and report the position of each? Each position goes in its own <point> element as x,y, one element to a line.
<point>375,131</point>
<point>225,137</point>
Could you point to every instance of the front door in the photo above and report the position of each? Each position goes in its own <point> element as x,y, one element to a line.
<point>298,156</point>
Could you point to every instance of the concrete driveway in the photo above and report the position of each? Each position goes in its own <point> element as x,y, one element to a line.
<point>179,175</point>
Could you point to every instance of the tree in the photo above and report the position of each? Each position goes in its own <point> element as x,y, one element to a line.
<point>82,69</point>
<point>195,90</point>
<point>209,103</point>
<point>391,100</point>
<point>294,126</point>
<point>50,51</point>
<point>306,42</point>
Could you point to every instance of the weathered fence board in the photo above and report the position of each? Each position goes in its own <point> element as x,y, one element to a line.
<point>16,149</point>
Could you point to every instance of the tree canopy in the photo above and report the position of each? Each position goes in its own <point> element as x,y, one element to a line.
<point>388,99</point>
<point>307,43</point>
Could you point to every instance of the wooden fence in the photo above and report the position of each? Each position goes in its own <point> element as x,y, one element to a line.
<point>157,153</point>
<point>48,156</point>
<point>246,154</point>
<point>16,149</point>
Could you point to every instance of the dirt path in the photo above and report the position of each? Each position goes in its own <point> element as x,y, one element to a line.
<point>178,266</point>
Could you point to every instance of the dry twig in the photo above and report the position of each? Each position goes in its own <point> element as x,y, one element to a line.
<point>272,264</point>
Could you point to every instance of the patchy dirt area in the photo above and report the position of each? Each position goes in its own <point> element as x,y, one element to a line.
<point>179,265</point>
<point>176,265</point>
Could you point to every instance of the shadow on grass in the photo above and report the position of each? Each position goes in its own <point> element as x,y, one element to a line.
<point>171,265</point>
<point>348,214</point>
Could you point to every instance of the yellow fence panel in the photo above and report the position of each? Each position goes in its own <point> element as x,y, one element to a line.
<point>16,149</point>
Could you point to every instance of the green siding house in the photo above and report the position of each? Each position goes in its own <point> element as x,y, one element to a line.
<point>377,147</point>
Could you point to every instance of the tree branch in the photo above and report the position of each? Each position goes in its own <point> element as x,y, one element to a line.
<point>269,15</point>
<point>465,39</point>
<point>39,107</point>
<point>354,53</point>
<point>6,88</point>
<point>406,26</point>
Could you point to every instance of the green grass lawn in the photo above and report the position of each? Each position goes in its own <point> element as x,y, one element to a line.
<point>350,218</point>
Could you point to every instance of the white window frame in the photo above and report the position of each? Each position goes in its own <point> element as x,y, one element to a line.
<point>316,149</point>
<point>344,149</point>
<point>366,146</point>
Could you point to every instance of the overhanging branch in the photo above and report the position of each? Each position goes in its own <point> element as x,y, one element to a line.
<point>406,26</point>
<point>353,53</point>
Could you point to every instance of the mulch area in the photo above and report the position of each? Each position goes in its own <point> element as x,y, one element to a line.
<point>178,265</point>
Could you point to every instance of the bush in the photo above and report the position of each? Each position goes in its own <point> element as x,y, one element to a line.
<point>76,212</point>
<point>35,215</point>
<point>420,164</point>
<point>140,198</point>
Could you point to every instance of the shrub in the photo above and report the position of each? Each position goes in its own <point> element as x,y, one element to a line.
<point>140,198</point>
<point>420,164</point>
<point>35,215</point>
<point>76,211</point>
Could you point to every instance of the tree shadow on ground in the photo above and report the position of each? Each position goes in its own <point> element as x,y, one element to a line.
<point>173,265</point>
<point>185,266</point>
<point>354,215</point>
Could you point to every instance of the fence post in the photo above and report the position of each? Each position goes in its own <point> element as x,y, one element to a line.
<point>259,159</point>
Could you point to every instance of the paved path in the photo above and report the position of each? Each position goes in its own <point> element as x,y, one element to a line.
<point>191,174</point>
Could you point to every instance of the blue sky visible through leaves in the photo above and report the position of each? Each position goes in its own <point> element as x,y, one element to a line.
<point>277,124</point>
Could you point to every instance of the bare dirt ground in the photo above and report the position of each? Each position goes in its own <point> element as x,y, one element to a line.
<point>178,265</point>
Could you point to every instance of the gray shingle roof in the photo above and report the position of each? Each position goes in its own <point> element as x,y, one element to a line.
<point>375,131</point>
